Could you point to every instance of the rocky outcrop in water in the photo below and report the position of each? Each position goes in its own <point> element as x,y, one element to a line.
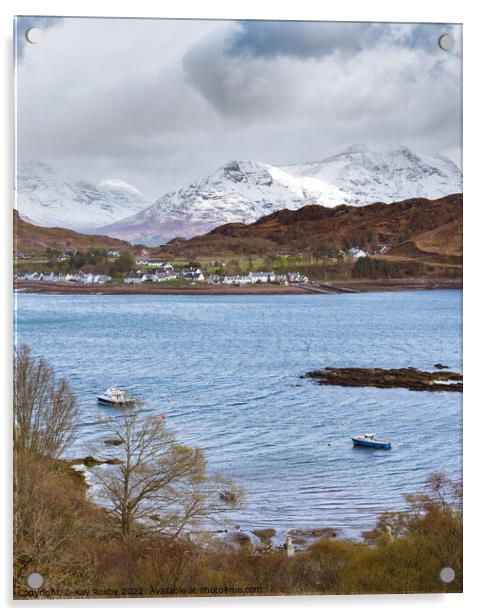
<point>89,461</point>
<point>408,378</point>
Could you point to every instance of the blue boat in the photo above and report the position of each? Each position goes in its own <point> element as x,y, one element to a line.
<point>369,440</point>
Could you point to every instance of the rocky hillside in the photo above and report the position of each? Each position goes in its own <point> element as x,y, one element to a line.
<point>426,227</point>
<point>32,238</point>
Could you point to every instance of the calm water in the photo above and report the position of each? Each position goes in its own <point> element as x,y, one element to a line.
<point>225,371</point>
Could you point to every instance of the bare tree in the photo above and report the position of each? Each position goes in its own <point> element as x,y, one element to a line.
<point>160,486</point>
<point>44,408</point>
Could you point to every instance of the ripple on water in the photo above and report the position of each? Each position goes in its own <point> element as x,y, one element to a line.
<point>225,372</point>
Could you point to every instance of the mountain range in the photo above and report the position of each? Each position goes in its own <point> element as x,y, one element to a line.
<point>47,197</point>
<point>239,191</point>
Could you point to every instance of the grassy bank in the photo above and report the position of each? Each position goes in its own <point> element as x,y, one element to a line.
<point>74,544</point>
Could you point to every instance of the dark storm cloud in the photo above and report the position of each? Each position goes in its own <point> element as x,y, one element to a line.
<point>316,39</point>
<point>299,39</point>
<point>160,103</point>
<point>266,69</point>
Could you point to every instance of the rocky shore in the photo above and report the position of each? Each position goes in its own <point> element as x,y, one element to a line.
<point>408,378</point>
<point>59,288</point>
<point>354,286</point>
<point>270,539</point>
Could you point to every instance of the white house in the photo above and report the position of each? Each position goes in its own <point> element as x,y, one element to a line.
<point>101,278</point>
<point>262,276</point>
<point>193,274</point>
<point>357,253</point>
<point>133,278</point>
<point>29,276</point>
<point>214,279</point>
<point>165,276</point>
<point>164,265</point>
<point>297,277</point>
<point>51,277</point>
<point>235,280</point>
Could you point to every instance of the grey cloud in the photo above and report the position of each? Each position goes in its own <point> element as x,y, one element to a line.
<point>316,39</point>
<point>424,36</point>
<point>24,22</point>
<point>172,102</point>
<point>299,39</point>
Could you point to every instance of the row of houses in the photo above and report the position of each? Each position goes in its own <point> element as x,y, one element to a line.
<point>164,265</point>
<point>190,275</point>
<point>79,277</point>
<point>254,277</point>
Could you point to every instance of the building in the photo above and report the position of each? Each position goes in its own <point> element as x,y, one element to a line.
<point>254,277</point>
<point>262,277</point>
<point>133,278</point>
<point>29,276</point>
<point>214,279</point>
<point>192,274</point>
<point>296,277</point>
<point>166,276</point>
<point>237,280</point>
<point>164,265</point>
<point>357,253</point>
<point>79,277</point>
<point>83,278</point>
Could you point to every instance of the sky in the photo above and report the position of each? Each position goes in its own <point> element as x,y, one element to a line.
<point>161,103</point>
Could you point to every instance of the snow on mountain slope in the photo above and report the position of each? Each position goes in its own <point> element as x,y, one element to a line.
<point>238,191</point>
<point>245,190</point>
<point>364,176</point>
<point>46,197</point>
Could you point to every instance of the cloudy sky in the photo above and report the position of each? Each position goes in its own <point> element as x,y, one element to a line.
<point>158,103</point>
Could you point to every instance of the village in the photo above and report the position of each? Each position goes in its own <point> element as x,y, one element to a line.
<point>164,272</point>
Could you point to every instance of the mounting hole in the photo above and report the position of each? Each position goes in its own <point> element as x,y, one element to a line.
<point>34,35</point>
<point>34,581</point>
<point>446,42</point>
<point>447,575</point>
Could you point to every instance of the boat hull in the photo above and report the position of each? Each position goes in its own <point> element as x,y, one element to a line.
<point>373,444</point>
<point>107,402</point>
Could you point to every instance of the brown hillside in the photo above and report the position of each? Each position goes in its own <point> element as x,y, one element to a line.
<point>31,238</point>
<point>446,239</point>
<point>433,226</point>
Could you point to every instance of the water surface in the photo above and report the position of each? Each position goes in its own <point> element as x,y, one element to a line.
<point>225,371</point>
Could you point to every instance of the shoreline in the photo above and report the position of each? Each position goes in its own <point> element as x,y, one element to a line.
<point>330,288</point>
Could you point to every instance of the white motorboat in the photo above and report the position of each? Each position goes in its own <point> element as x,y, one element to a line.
<point>115,397</point>
<point>369,440</point>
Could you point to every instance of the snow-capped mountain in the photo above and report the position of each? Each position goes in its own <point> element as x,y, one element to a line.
<point>364,176</point>
<point>245,190</point>
<point>238,191</point>
<point>48,198</point>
